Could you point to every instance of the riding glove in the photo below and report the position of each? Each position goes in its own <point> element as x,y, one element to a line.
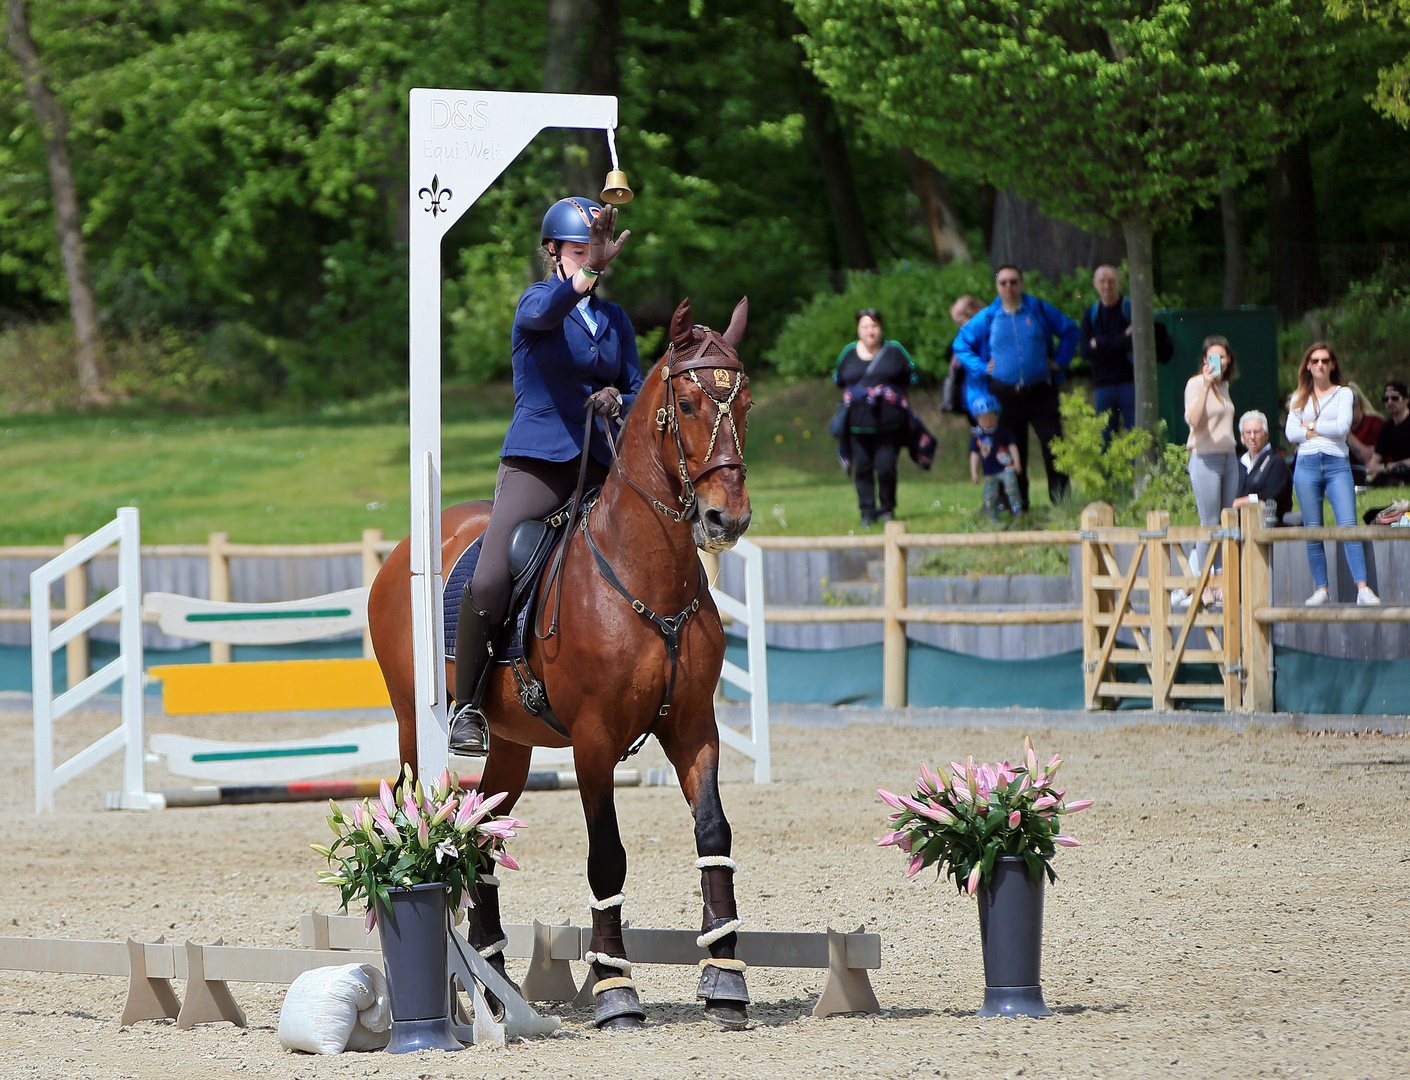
<point>602,249</point>
<point>606,402</point>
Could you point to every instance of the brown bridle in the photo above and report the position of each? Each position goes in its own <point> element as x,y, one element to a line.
<point>721,387</point>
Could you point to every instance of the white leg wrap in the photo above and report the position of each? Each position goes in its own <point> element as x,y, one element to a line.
<point>725,964</point>
<point>707,861</point>
<point>489,879</point>
<point>708,939</point>
<point>621,963</point>
<point>494,949</point>
<point>610,902</point>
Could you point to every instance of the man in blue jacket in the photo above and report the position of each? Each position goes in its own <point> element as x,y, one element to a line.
<point>1017,349</point>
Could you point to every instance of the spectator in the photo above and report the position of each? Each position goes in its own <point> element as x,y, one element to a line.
<point>1214,469</point>
<point>1390,464</point>
<point>992,451</point>
<point>1361,439</point>
<point>1263,474</point>
<point>1319,417</point>
<point>953,397</point>
<point>1106,345</point>
<point>1017,349</point>
<point>875,375</point>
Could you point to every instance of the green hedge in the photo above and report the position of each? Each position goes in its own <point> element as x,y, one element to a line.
<point>914,300</point>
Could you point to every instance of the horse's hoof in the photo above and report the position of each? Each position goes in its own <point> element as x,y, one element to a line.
<point>622,1023</point>
<point>730,1015</point>
<point>618,1009</point>
<point>722,988</point>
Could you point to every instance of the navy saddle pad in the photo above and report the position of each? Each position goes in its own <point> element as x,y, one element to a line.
<point>530,546</point>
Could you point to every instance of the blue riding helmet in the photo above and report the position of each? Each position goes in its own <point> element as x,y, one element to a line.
<point>568,221</point>
<point>985,403</point>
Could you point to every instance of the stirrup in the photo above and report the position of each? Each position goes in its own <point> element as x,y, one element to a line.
<point>469,732</point>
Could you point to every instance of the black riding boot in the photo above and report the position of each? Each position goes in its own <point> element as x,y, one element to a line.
<point>469,734</point>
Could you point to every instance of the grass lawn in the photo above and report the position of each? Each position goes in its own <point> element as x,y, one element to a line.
<point>326,476</point>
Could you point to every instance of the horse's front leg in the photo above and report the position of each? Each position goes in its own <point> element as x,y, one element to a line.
<point>695,753</point>
<point>506,769</point>
<point>616,1005</point>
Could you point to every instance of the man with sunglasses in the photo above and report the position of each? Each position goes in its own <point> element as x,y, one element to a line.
<point>1017,350</point>
<point>1390,464</point>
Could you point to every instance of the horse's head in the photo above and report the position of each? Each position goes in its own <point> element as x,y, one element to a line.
<point>704,399</point>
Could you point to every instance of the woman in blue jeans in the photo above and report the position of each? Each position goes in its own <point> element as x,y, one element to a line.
<point>1319,417</point>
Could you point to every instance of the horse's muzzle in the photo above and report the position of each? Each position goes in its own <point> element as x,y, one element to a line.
<point>717,529</point>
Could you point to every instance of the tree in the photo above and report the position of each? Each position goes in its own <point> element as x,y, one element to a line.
<point>68,219</point>
<point>1392,94</point>
<point>1121,112</point>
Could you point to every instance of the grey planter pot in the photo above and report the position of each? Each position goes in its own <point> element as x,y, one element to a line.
<point>415,931</point>
<point>1011,933</point>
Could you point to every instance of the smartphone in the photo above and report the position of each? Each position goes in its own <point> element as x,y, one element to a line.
<point>1216,363</point>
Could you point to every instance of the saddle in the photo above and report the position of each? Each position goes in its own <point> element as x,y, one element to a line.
<point>531,544</point>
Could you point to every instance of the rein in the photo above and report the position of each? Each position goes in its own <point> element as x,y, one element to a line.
<point>554,581</point>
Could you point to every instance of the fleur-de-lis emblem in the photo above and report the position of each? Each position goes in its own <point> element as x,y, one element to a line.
<point>438,196</point>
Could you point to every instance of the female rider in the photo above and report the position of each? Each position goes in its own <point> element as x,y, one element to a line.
<point>572,352</point>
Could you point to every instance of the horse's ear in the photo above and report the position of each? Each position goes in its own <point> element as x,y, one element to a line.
<point>682,331</point>
<point>737,322</point>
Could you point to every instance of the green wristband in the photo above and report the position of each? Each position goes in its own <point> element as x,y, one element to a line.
<point>589,274</point>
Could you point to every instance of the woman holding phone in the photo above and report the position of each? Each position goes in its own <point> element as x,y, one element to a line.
<point>1214,462</point>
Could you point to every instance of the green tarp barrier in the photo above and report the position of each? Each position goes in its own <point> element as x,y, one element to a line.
<point>1307,682</point>
<point>1312,683</point>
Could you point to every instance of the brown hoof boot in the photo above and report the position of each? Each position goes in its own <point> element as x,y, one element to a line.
<point>725,996</point>
<point>618,1009</point>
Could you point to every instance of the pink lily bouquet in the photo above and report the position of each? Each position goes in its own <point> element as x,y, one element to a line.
<point>444,835</point>
<point>966,821</point>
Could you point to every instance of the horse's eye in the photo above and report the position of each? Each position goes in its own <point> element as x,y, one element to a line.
<point>687,409</point>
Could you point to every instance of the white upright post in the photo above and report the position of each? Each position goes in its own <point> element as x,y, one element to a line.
<point>460,141</point>
<point>42,691</point>
<point>134,774</point>
<point>758,660</point>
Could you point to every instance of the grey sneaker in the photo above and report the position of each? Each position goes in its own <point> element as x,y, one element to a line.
<point>469,734</point>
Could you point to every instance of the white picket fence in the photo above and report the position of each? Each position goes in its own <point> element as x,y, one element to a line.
<point>126,601</point>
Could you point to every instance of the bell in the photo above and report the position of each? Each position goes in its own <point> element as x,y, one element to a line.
<point>616,190</point>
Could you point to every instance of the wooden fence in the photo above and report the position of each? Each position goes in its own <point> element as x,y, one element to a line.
<point>1126,615</point>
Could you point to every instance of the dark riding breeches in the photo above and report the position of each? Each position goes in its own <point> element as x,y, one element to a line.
<point>525,488</point>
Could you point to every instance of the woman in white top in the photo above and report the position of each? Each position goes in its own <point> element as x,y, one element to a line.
<point>1319,417</point>
<point>1214,462</point>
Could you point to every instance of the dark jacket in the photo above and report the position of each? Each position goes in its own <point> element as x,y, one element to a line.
<point>876,388</point>
<point>1269,479</point>
<point>558,364</point>
<point>1111,358</point>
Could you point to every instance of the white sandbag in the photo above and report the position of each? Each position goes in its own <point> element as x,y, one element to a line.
<point>332,1009</point>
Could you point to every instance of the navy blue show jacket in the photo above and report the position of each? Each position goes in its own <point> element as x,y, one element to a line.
<point>558,364</point>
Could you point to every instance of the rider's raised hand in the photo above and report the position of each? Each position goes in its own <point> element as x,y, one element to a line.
<point>602,248</point>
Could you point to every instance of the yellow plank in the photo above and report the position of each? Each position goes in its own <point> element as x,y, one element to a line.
<point>271,686</point>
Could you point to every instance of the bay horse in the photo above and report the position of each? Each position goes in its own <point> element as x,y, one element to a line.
<point>630,581</point>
